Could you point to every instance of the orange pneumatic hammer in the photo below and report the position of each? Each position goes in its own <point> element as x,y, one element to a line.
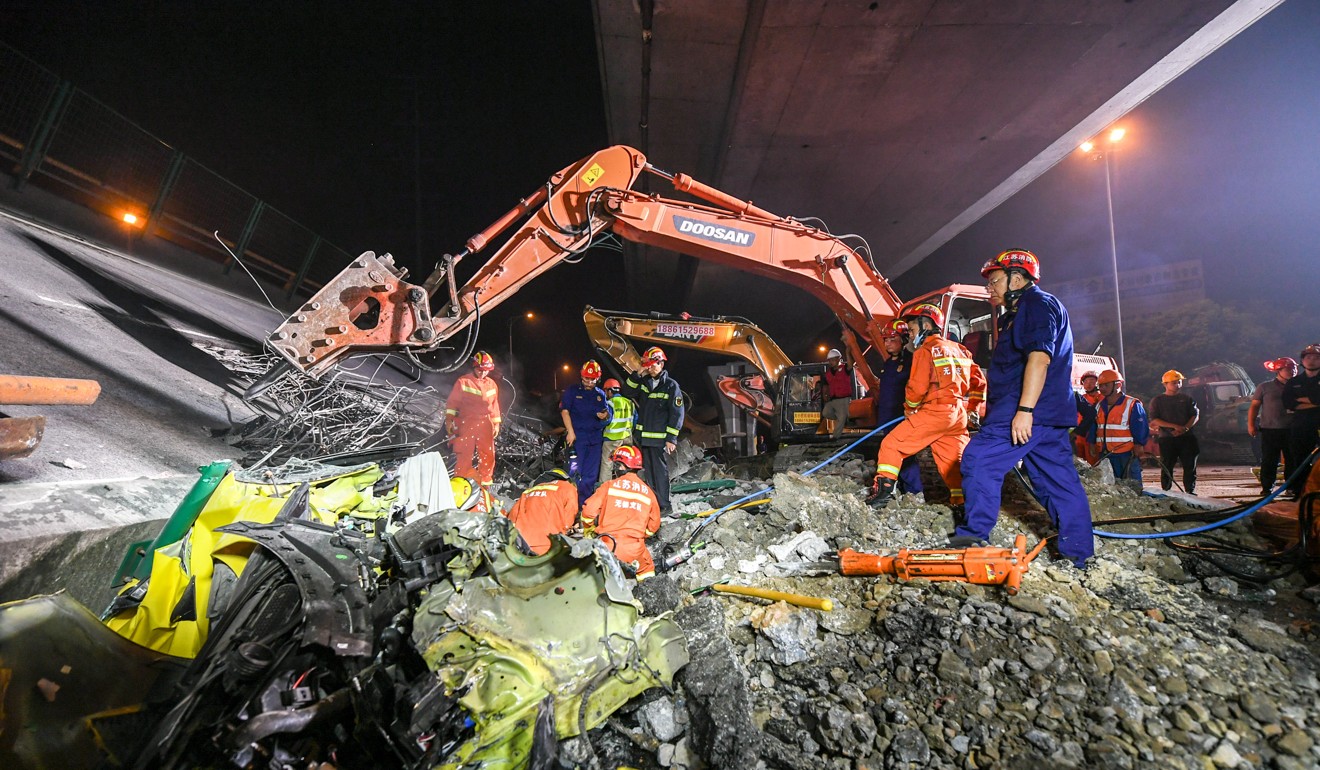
<point>983,565</point>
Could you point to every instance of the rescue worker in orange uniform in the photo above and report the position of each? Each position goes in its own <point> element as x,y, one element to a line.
<point>625,512</point>
<point>943,387</point>
<point>548,507</point>
<point>1121,428</point>
<point>472,414</point>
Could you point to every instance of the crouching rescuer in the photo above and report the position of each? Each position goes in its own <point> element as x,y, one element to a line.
<point>548,507</point>
<point>943,387</point>
<point>624,512</point>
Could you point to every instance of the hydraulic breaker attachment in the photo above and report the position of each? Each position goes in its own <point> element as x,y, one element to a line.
<point>980,565</point>
<point>368,307</point>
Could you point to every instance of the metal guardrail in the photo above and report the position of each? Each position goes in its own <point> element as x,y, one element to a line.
<point>61,139</point>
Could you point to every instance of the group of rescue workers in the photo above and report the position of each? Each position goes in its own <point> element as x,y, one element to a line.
<point>619,436</point>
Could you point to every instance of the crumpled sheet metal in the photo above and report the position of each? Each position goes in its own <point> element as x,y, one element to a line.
<point>562,625</point>
<point>182,573</point>
<point>67,682</point>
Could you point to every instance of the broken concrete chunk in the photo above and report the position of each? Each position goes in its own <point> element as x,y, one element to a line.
<point>658,718</point>
<point>719,705</point>
<point>788,635</point>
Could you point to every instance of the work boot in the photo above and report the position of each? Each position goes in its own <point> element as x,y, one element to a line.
<point>959,514</point>
<point>881,492</point>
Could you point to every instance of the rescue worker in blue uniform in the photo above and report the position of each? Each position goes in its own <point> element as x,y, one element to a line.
<point>1030,410</point>
<point>586,411</point>
<point>659,416</point>
<point>893,374</point>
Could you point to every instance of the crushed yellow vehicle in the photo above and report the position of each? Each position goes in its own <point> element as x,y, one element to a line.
<point>363,627</point>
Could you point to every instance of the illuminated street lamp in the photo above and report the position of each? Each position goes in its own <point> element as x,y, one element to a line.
<point>1090,148</point>
<point>564,368</point>
<point>530,316</point>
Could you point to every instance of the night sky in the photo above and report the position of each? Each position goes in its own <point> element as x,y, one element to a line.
<point>314,107</point>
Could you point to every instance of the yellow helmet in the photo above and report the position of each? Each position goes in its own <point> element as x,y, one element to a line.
<point>1173,375</point>
<point>466,492</point>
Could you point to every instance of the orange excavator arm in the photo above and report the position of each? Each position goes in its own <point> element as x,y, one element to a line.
<point>370,306</point>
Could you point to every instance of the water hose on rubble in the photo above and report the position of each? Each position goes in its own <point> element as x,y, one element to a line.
<point>688,545</point>
<point>1247,511</point>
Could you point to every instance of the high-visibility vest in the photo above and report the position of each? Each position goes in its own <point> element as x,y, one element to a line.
<point>1115,433</point>
<point>621,425</point>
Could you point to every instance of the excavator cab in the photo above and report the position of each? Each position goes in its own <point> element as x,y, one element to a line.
<point>970,318</point>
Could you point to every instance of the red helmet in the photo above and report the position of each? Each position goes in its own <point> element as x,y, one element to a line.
<point>895,328</point>
<point>1310,349</point>
<point>629,456</point>
<point>1281,363</point>
<point>927,310</point>
<point>1014,258</point>
<point>482,361</point>
<point>1090,374</point>
<point>654,354</point>
<point>611,384</point>
<point>591,371</point>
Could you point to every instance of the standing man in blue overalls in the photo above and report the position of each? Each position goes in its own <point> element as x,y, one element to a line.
<point>586,411</point>
<point>1029,412</point>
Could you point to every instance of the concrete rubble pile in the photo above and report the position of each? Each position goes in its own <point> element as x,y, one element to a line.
<point>1137,661</point>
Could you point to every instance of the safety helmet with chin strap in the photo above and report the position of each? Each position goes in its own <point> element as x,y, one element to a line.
<point>1021,260</point>
<point>916,329</point>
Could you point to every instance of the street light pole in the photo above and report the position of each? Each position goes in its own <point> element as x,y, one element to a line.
<point>529,315</point>
<point>1113,252</point>
<point>1115,134</point>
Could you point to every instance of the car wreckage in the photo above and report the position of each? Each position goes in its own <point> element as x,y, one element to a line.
<point>328,616</point>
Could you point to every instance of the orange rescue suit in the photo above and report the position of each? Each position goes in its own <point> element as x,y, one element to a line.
<point>1081,448</point>
<point>545,510</point>
<point>474,409</point>
<point>943,386</point>
<point>625,512</point>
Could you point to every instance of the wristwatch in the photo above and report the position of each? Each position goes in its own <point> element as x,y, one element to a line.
<point>1027,409</point>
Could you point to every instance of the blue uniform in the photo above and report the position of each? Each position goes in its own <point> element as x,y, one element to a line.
<point>1038,323</point>
<point>893,375</point>
<point>582,405</point>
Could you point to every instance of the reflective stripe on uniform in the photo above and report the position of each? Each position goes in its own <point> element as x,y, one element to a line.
<point>474,391</point>
<point>672,431</point>
<point>887,469</point>
<point>638,496</point>
<point>649,434</point>
<point>947,360</point>
<point>912,404</point>
<point>658,394</point>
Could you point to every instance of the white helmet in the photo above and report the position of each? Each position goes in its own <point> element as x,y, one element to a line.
<point>834,353</point>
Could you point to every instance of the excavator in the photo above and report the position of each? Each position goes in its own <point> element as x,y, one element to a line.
<point>371,306</point>
<point>610,332</point>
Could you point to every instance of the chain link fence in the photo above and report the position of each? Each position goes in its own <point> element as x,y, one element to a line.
<point>57,137</point>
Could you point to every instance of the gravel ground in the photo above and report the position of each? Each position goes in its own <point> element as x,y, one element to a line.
<point>1148,657</point>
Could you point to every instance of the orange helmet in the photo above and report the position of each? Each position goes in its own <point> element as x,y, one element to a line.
<point>1173,375</point>
<point>927,310</point>
<point>591,371</point>
<point>611,384</point>
<point>654,354</point>
<point>482,361</point>
<point>896,328</point>
<point>1020,259</point>
<point>628,456</point>
<point>1108,375</point>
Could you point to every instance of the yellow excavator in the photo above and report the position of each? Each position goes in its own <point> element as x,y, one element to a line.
<point>611,331</point>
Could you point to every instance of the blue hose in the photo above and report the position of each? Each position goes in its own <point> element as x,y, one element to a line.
<point>1206,527</point>
<point>822,464</point>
